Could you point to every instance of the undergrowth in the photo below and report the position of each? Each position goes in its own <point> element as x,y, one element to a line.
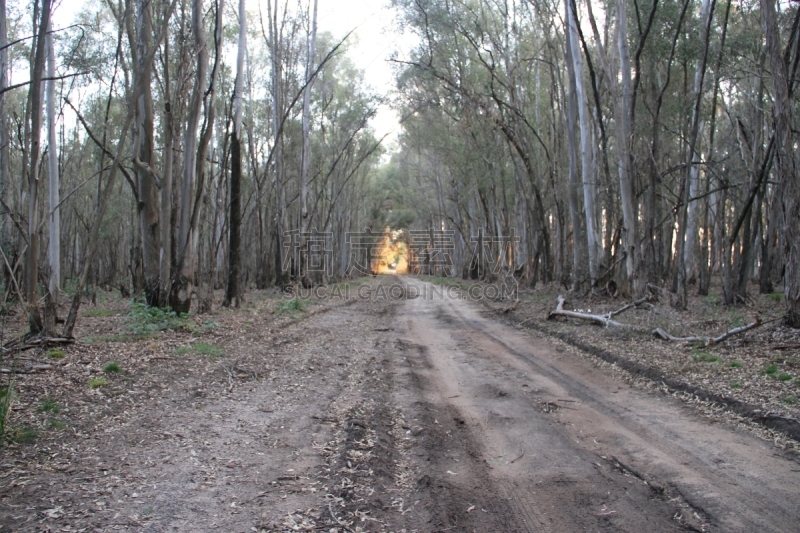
<point>143,320</point>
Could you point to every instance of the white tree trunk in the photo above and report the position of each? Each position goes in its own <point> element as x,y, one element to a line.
<point>622,119</point>
<point>588,174</point>
<point>54,248</point>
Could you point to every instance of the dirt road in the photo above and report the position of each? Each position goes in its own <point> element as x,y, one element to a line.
<point>571,448</point>
<point>393,413</point>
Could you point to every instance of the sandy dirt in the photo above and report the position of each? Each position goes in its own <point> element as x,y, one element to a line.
<point>405,410</point>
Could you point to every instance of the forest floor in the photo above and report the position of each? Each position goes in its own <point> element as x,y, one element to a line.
<point>391,405</point>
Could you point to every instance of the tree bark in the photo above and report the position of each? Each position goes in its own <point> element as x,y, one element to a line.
<point>35,104</point>
<point>785,164</point>
<point>183,285</point>
<point>624,131</point>
<point>148,204</point>
<point>54,245</point>
<point>233,291</point>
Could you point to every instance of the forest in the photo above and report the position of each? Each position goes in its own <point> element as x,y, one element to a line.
<point>167,149</point>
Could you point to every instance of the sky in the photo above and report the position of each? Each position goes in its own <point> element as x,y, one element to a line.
<point>375,39</point>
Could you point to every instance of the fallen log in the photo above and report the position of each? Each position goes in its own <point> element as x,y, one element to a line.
<point>603,320</point>
<point>706,341</point>
<point>27,370</point>
<point>24,343</point>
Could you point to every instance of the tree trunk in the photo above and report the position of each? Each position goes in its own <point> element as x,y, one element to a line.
<point>306,150</point>
<point>693,157</point>
<point>4,137</point>
<point>233,292</point>
<point>622,119</point>
<point>572,172</point>
<point>588,174</point>
<point>183,286</point>
<point>54,246</point>
<point>785,164</point>
<point>148,205</point>
<point>35,105</point>
<point>165,256</point>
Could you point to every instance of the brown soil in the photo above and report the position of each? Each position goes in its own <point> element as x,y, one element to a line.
<point>374,414</point>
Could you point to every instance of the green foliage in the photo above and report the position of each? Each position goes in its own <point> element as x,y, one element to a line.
<point>49,406</point>
<point>736,364</point>
<point>785,377</point>
<point>776,297</point>
<point>771,370</point>
<point>292,306</point>
<point>736,385</point>
<point>791,400</point>
<point>56,354</point>
<point>96,383</point>
<point>143,320</point>
<point>111,367</point>
<point>57,424</point>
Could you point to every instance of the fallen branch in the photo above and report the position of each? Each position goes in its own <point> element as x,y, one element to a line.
<point>603,320</point>
<point>27,370</point>
<point>24,343</point>
<point>512,307</point>
<point>706,341</point>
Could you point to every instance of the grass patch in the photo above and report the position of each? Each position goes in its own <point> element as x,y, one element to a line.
<point>7,397</point>
<point>776,296</point>
<point>703,356</point>
<point>292,306</point>
<point>735,364</point>
<point>25,435</point>
<point>111,367</point>
<point>736,385</point>
<point>57,424</point>
<point>785,377</point>
<point>736,319</point>
<point>56,354</point>
<point>96,383</point>
<point>49,406</point>
<point>791,400</point>
<point>202,349</point>
<point>771,370</point>
<point>99,312</point>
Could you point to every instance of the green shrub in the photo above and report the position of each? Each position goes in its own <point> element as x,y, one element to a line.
<point>96,383</point>
<point>771,370</point>
<point>143,320</point>
<point>292,306</point>
<point>111,367</point>
<point>776,296</point>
